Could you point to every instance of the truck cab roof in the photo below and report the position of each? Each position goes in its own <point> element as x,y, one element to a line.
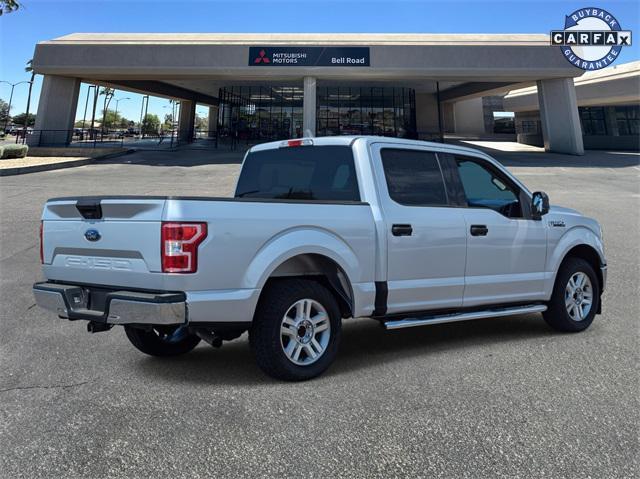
<point>348,140</point>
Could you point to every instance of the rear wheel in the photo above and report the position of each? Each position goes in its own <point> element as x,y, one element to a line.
<point>576,296</point>
<point>162,340</point>
<point>296,331</point>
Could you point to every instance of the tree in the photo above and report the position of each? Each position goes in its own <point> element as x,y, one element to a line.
<point>8,6</point>
<point>20,119</point>
<point>124,123</point>
<point>168,122</point>
<point>150,124</point>
<point>4,111</point>
<point>108,95</point>
<point>29,69</point>
<point>114,120</point>
<point>202,123</point>
<point>111,119</point>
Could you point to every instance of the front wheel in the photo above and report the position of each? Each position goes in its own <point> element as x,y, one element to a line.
<point>162,340</point>
<point>576,297</point>
<point>296,331</point>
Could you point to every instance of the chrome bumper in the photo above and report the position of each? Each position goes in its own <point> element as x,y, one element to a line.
<point>118,307</point>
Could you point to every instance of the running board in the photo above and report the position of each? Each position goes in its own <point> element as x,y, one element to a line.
<point>453,317</point>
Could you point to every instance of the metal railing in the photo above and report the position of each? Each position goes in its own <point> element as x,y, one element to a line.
<point>78,138</point>
<point>220,139</point>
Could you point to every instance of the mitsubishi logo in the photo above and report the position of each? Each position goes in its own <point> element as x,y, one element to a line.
<point>262,58</point>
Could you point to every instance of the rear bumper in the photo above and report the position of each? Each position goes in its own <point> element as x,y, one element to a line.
<point>117,307</point>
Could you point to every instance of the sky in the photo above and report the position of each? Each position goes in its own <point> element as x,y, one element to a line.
<point>40,20</point>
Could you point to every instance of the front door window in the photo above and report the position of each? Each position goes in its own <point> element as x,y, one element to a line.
<point>485,188</point>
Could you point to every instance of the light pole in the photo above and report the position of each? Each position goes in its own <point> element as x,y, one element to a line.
<point>86,104</point>
<point>108,96</point>
<point>92,134</point>
<point>174,112</point>
<point>173,104</point>
<point>13,85</point>
<point>28,68</point>
<point>118,100</point>
<point>145,99</point>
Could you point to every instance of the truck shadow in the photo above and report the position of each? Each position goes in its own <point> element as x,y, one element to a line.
<point>365,346</point>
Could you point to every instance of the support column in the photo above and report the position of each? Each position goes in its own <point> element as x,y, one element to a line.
<point>213,121</point>
<point>469,117</point>
<point>427,126</point>
<point>559,116</point>
<point>56,111</point>
<point>186,121</point>
<point>309,107</point>
<point>448,114</point>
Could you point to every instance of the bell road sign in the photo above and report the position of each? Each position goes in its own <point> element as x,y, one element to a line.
<point>309,56</point>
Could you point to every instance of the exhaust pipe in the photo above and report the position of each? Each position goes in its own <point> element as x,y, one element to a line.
<point>210,337</point>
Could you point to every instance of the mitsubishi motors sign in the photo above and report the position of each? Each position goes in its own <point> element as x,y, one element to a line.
<point>309,56</point>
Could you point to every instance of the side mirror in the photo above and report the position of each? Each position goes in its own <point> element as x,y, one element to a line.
<point>539,205</point>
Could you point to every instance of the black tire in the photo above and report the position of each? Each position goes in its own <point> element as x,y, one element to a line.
<point>556,314</point>
<point>265,334</point>
<point>161,340</point>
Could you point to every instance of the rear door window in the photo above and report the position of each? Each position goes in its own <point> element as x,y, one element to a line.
<point>413,177</point>
<point>323,173</point>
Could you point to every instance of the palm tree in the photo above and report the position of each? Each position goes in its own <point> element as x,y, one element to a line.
<point>29,69</point>
<point>8,6</point>
<point>108,95</point>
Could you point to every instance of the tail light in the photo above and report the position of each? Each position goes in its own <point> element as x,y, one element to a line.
<point>298,142</point>
<point>41,243</point>
<point>179,246</point>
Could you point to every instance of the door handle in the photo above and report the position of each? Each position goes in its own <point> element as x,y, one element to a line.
<point>479,230</point>
<point>401,230</point>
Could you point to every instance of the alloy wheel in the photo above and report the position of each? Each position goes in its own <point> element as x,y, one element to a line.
<point>305,331</point>
<point>578,296</point>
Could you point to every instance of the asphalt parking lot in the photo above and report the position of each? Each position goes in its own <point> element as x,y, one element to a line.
<point>489,398</point>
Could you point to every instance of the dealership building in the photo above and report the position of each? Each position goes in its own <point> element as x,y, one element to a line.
<point>271,86</point>
<point>608,106</point>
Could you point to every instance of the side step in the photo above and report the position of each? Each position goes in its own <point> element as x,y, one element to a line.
<point>465,316</point>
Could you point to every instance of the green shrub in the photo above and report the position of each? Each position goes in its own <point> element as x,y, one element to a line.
<point>1,151</point>
<point>14,151</point>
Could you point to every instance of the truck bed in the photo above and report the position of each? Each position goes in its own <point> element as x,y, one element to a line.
<point>247,239</point>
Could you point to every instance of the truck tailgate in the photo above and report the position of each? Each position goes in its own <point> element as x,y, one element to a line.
<point>121,247</point>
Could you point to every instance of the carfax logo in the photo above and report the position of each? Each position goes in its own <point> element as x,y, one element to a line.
<point>592,38</point>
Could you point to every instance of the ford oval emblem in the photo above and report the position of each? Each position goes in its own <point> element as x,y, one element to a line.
<point>92,235</point>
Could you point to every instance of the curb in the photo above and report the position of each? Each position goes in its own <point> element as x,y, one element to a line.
<point>21,170</point>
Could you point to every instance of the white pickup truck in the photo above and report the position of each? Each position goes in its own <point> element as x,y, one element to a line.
<point>405,232</point>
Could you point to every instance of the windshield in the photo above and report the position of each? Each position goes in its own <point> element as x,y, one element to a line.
<point>324,173</point>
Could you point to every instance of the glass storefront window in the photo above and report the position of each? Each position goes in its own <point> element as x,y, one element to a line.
<point>593,120</point>
<point>259,113</point>
<point>384,111</point>
<point>628,120</point>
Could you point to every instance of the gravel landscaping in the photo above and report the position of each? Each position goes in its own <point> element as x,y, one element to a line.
<point>38,161</point>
